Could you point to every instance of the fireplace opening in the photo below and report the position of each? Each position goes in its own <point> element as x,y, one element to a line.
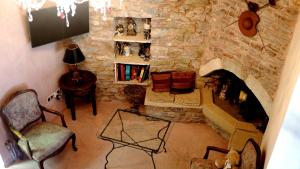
<point>231,94</point>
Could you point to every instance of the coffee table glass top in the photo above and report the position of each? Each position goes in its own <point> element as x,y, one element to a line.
<point>135,130</point>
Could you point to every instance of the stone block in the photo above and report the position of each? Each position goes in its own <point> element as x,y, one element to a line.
<point>176,114</point>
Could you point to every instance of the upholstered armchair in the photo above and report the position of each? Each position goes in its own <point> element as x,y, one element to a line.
<point>249,157</point>
<point>38,139</point>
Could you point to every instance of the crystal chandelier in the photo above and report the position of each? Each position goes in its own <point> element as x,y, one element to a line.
<point>64,7</point>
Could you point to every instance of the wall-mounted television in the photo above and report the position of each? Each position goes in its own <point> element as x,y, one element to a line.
<point>47,27</point>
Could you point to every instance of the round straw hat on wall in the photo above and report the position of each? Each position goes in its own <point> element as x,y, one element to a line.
<point>247,23</point>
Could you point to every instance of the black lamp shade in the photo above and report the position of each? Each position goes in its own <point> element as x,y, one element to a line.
<point>73,55</point>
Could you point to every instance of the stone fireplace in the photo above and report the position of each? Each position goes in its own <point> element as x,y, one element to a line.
<point>250,81</point>
<point>230,76</point>
<point>233,96</point>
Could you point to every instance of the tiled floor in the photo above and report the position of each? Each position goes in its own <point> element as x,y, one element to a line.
<point>184,142</point>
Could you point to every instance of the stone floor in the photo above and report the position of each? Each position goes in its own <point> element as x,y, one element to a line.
<point>185,141</point>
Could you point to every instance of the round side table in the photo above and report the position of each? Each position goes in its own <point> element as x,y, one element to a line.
<point>84,87</point>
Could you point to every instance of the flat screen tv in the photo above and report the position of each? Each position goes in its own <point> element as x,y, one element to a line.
<point>47,27</point>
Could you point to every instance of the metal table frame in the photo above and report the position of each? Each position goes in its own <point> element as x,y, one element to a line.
<point>121,143</point>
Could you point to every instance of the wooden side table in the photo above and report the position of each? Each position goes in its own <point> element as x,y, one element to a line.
<point>84,88</point>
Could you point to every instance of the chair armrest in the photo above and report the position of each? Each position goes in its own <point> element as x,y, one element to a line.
<point>23,138</point>
<point>221,150</point>
<point>56,113</point>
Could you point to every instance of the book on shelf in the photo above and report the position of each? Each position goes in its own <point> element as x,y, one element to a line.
<point>118,74</point>
<point>146,73</point>
<point>134,69</point>
<point>140,78</point>
<point>122,72</point>
<point>138,70</point>
<point>127,72</point>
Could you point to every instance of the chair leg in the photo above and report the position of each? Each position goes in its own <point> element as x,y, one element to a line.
<point>41,164</point>
<point>74,142</point>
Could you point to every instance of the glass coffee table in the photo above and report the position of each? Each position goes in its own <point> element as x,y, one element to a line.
<point>128,128</point>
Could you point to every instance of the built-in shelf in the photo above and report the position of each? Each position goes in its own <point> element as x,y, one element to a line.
<point>139,38</point>
<point>133,65</point>
<point>134,82</point>
<point>131,59</point>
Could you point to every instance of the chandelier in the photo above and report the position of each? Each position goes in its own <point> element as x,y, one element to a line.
<point>64,7</point>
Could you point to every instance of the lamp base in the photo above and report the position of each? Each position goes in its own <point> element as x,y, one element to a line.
<point>76,77</point>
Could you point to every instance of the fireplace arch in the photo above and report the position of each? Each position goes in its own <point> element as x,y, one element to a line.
<point>252,83</point>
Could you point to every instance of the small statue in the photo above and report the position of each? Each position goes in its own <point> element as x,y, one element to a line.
<point>147,30</point>
<point>131,27</point>
<point>119,30</point>
<point>126,49</point>
<point>119,49</point>
<point>147,54</point>
<point>222,95</point>
<point>144,51</point>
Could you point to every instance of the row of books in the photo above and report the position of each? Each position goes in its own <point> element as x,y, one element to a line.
<point>128,72</point>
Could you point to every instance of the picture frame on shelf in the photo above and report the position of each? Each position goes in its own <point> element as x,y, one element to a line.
<point>131,27</point>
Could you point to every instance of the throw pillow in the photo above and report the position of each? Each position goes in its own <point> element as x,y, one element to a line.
<point>182,82</point>
<point>161,81</point>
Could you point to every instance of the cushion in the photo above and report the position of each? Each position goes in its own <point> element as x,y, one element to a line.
<point>160,97</point>
<point>22,109</point>
<point>188,99</point>
<point>44,139</point>
<point>199,163</point>
<point>182,82</point>
<point>248,157</point>
<point>161,81</point>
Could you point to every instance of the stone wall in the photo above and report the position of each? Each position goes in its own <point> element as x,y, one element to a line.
<point>176,114</point>
<point>189,33</point>
<point>275,30</point>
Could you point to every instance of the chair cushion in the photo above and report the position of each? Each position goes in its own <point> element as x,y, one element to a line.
<point>249,157</point>
<point>22,109</point>
<point>44,139</point>
<point>199,163</point>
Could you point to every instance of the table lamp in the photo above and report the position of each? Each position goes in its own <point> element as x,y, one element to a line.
<point>74,56</point>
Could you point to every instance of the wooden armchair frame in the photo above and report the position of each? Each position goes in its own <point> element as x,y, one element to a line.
<point>18,133</point>
<point>212,148</point>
